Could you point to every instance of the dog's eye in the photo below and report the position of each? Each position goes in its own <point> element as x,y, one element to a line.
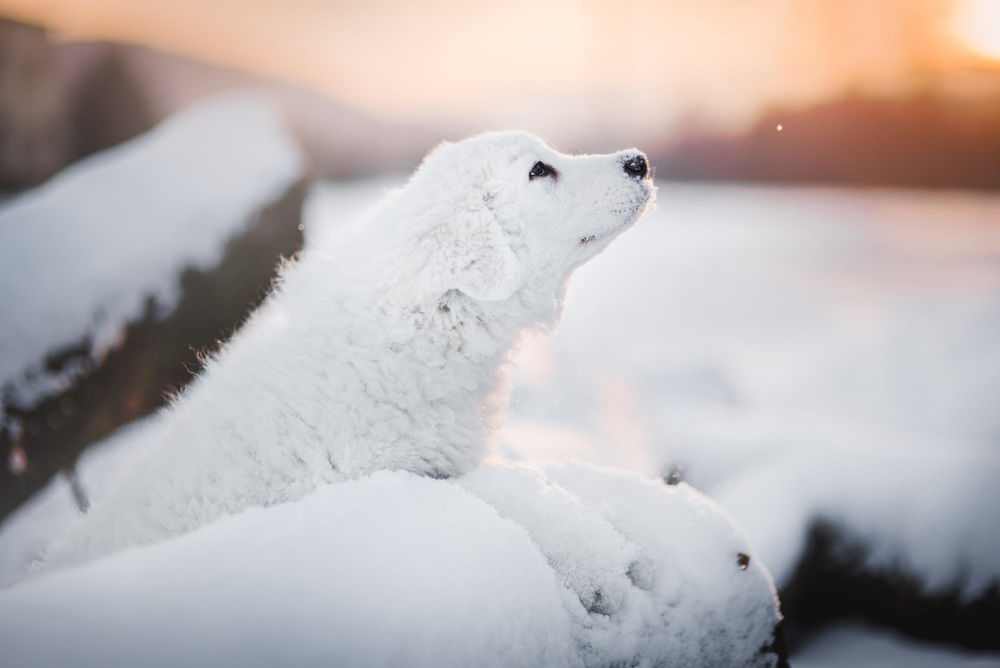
<point>540,169</point>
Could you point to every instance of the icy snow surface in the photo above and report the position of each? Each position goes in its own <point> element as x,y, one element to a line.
<point>83,252</point>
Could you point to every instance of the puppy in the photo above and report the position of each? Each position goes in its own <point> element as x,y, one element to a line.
<point>383,351</point>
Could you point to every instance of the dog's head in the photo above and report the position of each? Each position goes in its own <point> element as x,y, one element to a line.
<point>503,210</point>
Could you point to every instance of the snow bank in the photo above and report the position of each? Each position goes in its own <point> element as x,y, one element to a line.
<point>795,354</point>
<point>85,251</point>
<point>396,569</point>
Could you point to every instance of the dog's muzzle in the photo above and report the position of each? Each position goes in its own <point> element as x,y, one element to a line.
<point>635,165</point>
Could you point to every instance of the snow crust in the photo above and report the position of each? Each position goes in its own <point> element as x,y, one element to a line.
<point>85,251</point>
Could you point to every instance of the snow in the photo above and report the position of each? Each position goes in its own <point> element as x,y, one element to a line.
<point>361,574</point>
<point>85,251</point>
<point>396,569</point>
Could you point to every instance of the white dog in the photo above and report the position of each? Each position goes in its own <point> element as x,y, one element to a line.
<point>385,351</point>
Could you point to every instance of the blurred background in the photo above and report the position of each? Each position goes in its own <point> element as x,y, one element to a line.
<point>369,85</point>
<point>812,312</point>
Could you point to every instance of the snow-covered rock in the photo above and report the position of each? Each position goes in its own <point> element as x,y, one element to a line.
<point>85,252</point>
<point>396,569</point>
<point>119,271</point>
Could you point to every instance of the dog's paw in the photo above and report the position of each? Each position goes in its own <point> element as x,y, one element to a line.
<point>586,552</point>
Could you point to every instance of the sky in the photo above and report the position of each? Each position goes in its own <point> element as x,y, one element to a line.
<point>654,63</point>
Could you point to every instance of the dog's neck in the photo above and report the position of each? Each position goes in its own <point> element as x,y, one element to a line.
<point>468,344</point>
<point>448,348</point>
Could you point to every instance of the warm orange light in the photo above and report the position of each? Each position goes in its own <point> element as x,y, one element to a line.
<point>978,25</point>
<point>557,67</point>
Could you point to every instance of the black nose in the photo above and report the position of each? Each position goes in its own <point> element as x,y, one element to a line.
<point>635,166</point>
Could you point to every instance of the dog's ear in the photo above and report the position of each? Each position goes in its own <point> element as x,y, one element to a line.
<point>477,258</point>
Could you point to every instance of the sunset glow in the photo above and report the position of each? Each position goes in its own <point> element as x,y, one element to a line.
<point>557,65</point>
<point>978,26</point>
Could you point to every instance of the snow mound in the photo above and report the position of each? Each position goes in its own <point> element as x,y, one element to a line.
<point>395,569</point>
<point>86,251</point>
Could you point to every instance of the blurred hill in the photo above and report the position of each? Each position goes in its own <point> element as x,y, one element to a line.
<point>60,101</point>
<point>926,140</point>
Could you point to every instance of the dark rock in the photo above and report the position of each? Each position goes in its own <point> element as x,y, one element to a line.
<point>832,582</point>
<point>778,646</point>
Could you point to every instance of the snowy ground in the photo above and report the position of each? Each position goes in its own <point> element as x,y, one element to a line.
<point>794,353</point>
<point>396,570</point>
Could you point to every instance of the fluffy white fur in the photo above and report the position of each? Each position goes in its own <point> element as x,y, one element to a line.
<point>383,352</point>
